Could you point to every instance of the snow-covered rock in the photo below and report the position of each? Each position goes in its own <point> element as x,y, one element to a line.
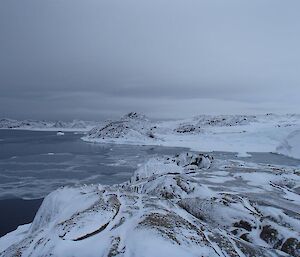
<point>224,120</point>
<point>172,165</point>
<point>187,205</point>
<point>132,127</point>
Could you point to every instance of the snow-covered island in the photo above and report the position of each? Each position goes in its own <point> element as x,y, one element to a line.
<point>186,205</point>
<point>75,125</point>
<point>242,134</point>
<point>231,133</point>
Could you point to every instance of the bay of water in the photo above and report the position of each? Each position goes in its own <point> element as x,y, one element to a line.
<point>34,163</point>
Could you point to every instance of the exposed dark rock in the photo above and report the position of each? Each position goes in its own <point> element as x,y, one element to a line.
<point>243,224</point>
<point>186,128</point>
<point>269,234</point>
<point>245,237</point>
<point>291,246</point>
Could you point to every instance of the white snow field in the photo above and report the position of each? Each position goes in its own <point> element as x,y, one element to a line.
<point>232,133</point>
<point>188,205</point>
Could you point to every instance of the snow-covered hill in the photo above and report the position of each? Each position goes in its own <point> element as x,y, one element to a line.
<point>131,128</point>
<point>186,205</point>
<point>233,133</point>
<point>75,125</point>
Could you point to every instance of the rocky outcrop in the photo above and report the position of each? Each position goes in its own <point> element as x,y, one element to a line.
<point>201,122</point>
<point>130,126</point>
<point>166,209</point>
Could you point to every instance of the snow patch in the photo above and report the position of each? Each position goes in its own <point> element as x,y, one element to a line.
<point>243,155</point>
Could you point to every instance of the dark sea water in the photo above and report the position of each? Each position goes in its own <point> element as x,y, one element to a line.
<point>15,212</point>
<point>34,163</point>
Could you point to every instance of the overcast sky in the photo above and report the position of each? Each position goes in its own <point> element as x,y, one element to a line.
<point>95,59</point>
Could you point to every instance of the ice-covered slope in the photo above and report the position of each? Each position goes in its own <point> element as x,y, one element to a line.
<point>75,125</point>
<point>234,133</point>
<point>187,205</point>
<point>290,146</point>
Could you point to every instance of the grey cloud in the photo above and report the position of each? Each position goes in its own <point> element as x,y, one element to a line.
<point>96,59</point>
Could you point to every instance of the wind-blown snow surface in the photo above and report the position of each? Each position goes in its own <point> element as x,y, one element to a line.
<point>75,125</point>
<point>232,133</point>
<point>291,145</point>
<point>188,205</point>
